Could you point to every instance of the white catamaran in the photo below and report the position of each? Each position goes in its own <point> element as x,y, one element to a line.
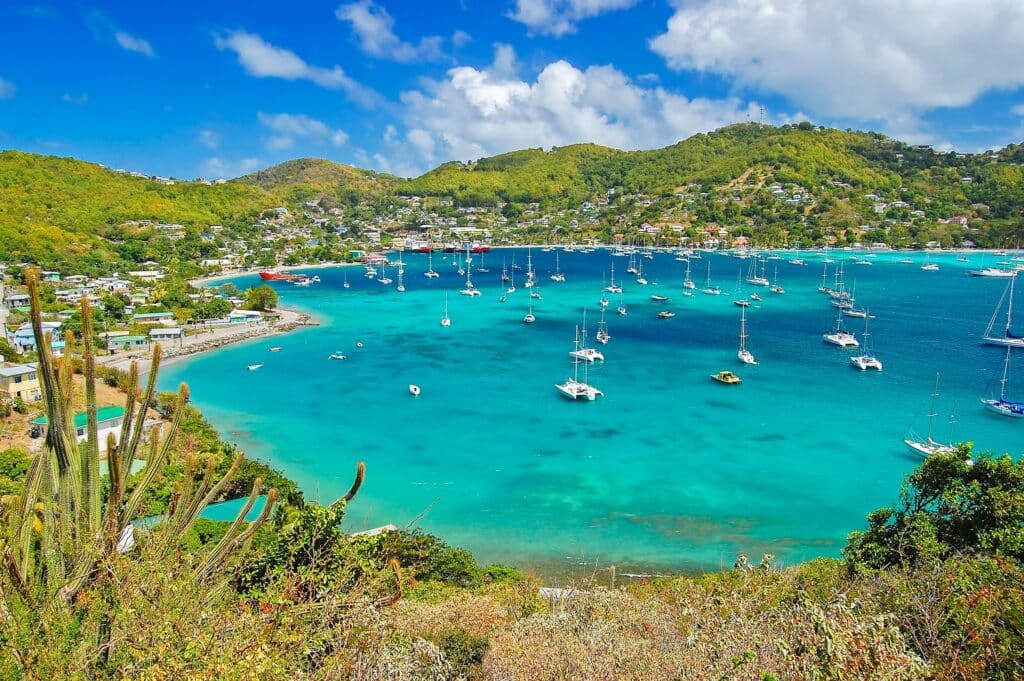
<point>928,446</point>
<point>573,388</point>
<point>866,360</point>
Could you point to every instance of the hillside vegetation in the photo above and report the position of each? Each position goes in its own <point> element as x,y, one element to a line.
<point>316,175</point>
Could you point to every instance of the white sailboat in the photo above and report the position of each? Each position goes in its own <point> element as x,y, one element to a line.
<point>612,287</point>
<point>446,320</point>
<point>575,389</point>
<point>602,336</point>
<point>512,281</point>
<point>744,354</point>
<point>530,318</point>
<point>775,284</point>
<point>529,269</point>
<point>866,360</point>
<point>384,278</point>
<point>345,276</point>
<point>928,446</point>
<point>583,352</point>
<point>1008,338</point>
<point>622,307</point>
<point>708,288</point>
<point>470,290</point>
<point>688,284</point>
<point>557,276</point>
<point>738,298</point>
<point>754,278</point>
<point>401,284</point>
<point>1001,405</point>
<point>480,267</point>
<point>640,279</point>
<point>430,273</point>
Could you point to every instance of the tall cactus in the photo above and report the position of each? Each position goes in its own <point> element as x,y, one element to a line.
<point>64,534</point>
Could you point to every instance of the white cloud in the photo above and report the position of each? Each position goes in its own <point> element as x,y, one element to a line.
<point>375,29</point>
<point>1017,110</point>
<point>862,59</point>
<point>286,128</point>
<point>263,60</point>
<point>559,17</point>
<point>460,39</point>
<point>7,89</point>
<point>216,168</point>
<point>82,98</point>
<point>474,113</point>
<point>133,44</point>
<point>209,139</point>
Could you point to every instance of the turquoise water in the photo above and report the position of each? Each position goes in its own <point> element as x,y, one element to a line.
<point>669,470</point>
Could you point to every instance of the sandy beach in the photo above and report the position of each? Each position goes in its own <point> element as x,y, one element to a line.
<point>210,340</point>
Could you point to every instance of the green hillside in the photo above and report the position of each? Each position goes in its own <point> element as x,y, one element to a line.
<point>305,178</point>
<point>59,209</point>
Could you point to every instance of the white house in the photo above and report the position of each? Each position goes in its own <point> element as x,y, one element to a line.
<point>109,421</point>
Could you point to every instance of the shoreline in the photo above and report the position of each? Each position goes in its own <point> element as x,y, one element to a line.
<point>196,345</point>
<point>204,281</point>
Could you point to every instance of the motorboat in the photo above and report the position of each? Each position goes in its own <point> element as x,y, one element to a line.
<point>726,377</point>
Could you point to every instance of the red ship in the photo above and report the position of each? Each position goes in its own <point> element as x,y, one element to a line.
<point>281,276</point>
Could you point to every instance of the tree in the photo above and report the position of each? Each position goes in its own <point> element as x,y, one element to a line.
<point>261,298</point>
<point>952,504</point>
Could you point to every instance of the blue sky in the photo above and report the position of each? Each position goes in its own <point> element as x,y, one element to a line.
<point>219,89</point>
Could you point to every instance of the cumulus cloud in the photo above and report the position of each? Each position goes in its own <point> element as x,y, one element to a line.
<point>559,17</point>
<point>374,28</point>
<point>460,39</point>
<point>7,89</point>
<point>263,60</point>
<point>286,128</point>
<point>217,168</point>
<point>863,59</point>
<point>133,44</point>
<point>479,112</point>
<point>209,139</point>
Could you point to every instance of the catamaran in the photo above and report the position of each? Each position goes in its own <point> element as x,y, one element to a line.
<point>612,287</point>
<point>1001,405</point>
<point>573,388</point>
<point>708,288</point>
<point>840,336</point>
<point>470,290</point>
<point>866,360</point>
<point>446,320</point>
<point>928,446</point>
<point>1009,338</point>
<point>744,355</point>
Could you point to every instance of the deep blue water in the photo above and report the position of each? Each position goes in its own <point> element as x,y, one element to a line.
<point>669,470</point>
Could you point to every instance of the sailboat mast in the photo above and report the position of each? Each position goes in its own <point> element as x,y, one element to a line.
<point>931,413</point>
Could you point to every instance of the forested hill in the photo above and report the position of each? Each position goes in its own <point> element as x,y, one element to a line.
<point>796,154</point>
<point>317,175</point>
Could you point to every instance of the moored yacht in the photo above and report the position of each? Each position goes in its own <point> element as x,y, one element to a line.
<point>573,388</point>
<point>840,336</point>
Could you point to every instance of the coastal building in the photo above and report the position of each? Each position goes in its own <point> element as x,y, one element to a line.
<point>19,380</point>
<point>24,339</point>
<point>127,343</point>
<point>109,422</point>
<point>167,334</point>
<point>164,318</point>
<point>245,317</point>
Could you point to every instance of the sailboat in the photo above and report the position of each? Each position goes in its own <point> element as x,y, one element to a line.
<point>504,272</point>
<point>928,446</point>
<point>470,290</point>
<point>688,284</point>
<point>583,352</point>
<point>384,278</point>
<point>1001,405</point>
<point>708,288</point>
<point>529,269</point>
<point>739,299</point>
<point>754,278</point>
<point>867,359</point>
<point>345,276</point>
<point>840,336</point>
<point>480,267</point>
<point>1008,338</point>
<point>622,307</point>
<point>446,320</point>
<point>573,388</point>
<point>640,279</point>
<point>928,265</point>
<point>604,299</point>
<point>401,284</point>
<point>512,281</point>
<point>530,318</point>
<point>611,287</point>
<point>602,336</point>
<point>775,285</point>
<point>557,276</point>
<point>823,288</point>
<point>744,355</point>
<point>430,273</point>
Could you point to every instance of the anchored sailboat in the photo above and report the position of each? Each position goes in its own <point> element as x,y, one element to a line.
<point>928,446</point>
<point>430,273</point>
<point>446,320</point>
<point>602,336</point>
<point>708,288</point>
<point>744,355</point>
<point>557,276</point>
<point>867,359</point>
<point>573,388</point>
<point>1001,405</point>
<point>1009,338</point>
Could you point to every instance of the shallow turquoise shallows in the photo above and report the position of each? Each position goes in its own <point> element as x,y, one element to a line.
<point>669,470</point>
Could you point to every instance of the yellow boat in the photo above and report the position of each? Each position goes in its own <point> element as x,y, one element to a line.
<point>727,377</point>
